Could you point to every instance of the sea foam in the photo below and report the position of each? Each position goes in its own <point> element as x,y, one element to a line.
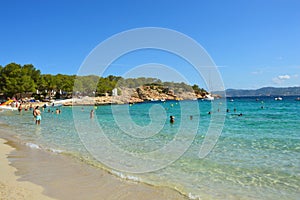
<point>127,177</point>
<point>194,197</point>
<point>55,150</point>
<point>33,146</point>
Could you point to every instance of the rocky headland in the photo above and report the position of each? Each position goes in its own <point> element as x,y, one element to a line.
<point>136,95</point>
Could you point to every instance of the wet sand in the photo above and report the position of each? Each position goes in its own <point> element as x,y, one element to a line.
<point>10,187</point>
<point>63,177</point>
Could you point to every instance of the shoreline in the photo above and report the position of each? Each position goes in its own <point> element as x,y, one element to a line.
<point>10,186</point>
<point>61,177</point>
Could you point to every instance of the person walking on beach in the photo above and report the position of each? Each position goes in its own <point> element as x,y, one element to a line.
<point>38,117</point>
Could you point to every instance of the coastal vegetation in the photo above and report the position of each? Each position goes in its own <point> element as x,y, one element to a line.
<point>26,81</point>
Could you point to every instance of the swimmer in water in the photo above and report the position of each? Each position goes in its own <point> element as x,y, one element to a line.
<point>172,119</point>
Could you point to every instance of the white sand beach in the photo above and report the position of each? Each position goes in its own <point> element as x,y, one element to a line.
<point>54,176</point>
<point>10,187</point>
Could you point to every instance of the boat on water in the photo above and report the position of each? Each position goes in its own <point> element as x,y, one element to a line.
<point>55,105</point>
<point>60,102</point>
<point>298,99</point>
<point>278,99</point>
<point>208,97</point>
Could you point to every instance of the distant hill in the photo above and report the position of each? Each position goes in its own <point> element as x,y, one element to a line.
<point>265,91</point>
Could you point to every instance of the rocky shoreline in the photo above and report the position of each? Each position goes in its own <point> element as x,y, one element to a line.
<point>126,96</point>
<point>131,96</point>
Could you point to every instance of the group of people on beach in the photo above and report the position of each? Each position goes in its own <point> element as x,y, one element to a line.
<point>36,112</point>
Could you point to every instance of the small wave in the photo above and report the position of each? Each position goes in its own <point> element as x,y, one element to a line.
<point>127,177</point>
<point>55,150</point>
<point>196,197</point>
<point>33,146</point>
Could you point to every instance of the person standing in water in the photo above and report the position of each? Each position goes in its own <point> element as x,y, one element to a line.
<point>92,114</point>
<point>38,117</point>
<point>33,113</point>
<point>20,107</point>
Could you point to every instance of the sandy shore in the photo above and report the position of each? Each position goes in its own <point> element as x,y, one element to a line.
<point>38,174</point>
<point>10,187</point>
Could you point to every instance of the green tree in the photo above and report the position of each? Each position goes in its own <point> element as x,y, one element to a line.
<point>10,79</point>
<point>27,84</point>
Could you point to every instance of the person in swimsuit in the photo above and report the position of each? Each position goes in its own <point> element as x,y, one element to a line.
<point>38,116</point>
<point>20,108</point>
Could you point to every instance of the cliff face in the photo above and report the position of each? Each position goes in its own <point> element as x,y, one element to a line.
<point>150,93</point>
<point>147,93</point>
<point>140,94</point>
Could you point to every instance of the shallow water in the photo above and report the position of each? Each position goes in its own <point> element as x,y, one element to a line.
<point>257,155</point>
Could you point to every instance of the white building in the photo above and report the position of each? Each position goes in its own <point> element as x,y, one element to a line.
<point>115,92</point>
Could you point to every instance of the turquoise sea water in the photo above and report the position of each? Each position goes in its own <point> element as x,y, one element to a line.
<point>257,155</point>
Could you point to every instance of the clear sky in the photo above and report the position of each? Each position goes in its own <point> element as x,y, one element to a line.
<point>254,43</point>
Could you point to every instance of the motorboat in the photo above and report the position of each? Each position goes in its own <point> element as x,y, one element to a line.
<point>278,99</point>
<point>208,97</point>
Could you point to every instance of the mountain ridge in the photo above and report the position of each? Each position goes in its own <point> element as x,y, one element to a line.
<point>264,91</point>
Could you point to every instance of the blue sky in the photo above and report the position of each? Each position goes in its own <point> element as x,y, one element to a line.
<point>254,43</point>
